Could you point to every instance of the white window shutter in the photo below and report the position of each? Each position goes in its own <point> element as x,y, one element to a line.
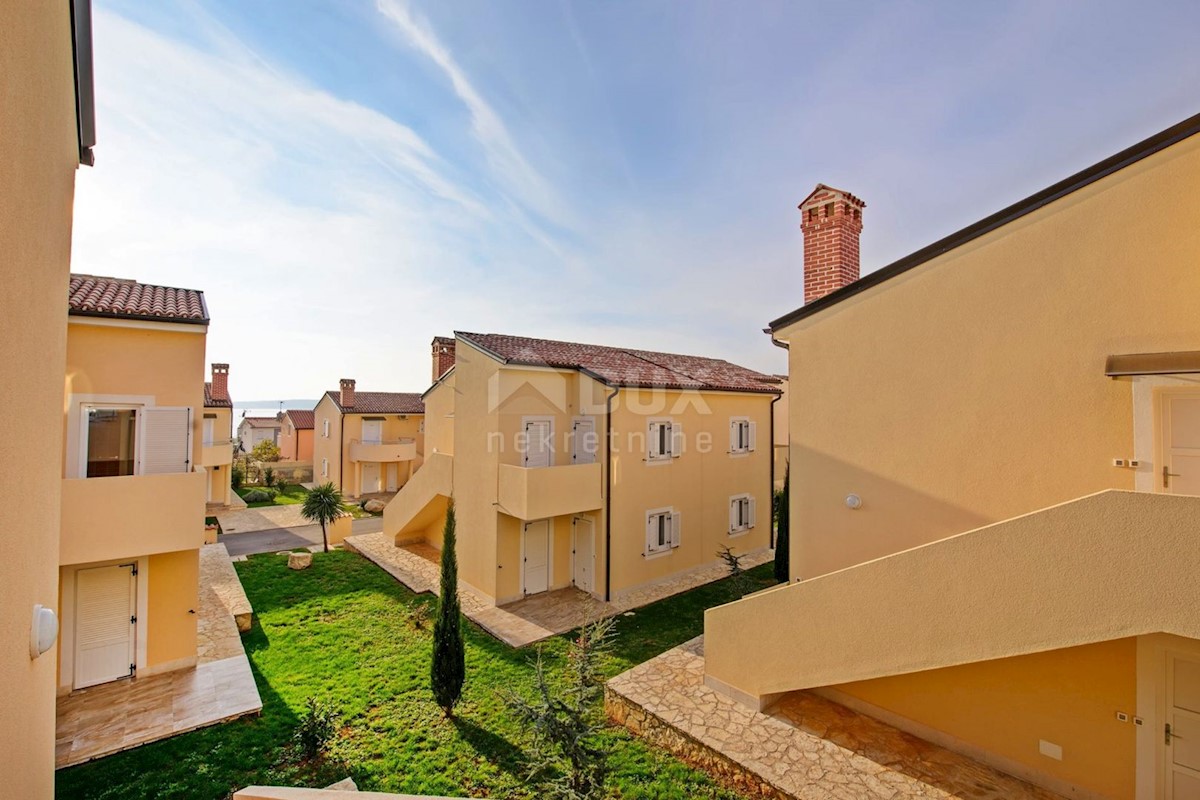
<point>166,440</point>
<point>733,514</point>
<point>733,435</point>
<point>651,532</point>
<point>753,435</point>
<point>676,439</point>
<point>751,512</point>
<point>675,529</point>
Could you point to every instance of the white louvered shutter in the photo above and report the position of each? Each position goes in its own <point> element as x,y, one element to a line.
<point>651,533</point>
<point>734,426</point>
<point>166,440</point>
<point>753,437</point>
<point>675,529</point>
<point>733,514</point>
<point>676,439</point>
<point>751,512</point>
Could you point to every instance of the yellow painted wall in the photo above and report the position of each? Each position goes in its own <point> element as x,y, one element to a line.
<point>327,447</point>
<point>173,595</point>
<point>219,456</point>
<point>295,444</point>
<point>1068,697</point>
<point>698,484</point>
<point>439,417</point>
<point>38,157</point>
<point>971,389</point>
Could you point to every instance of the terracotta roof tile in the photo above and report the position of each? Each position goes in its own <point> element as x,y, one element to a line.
<point>260,422</point>
<point>209,402</point>
<point>301,419</point>
<point>382,403</point>
<point>92,295</point>
<point>626,367</point>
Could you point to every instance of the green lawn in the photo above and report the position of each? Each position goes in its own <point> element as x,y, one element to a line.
<point>292,494</point>
<point>338,631</point>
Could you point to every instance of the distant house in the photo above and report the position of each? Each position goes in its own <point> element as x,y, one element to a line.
<point>367,442</point>
<point>296,435</point>
<point>253,430</point>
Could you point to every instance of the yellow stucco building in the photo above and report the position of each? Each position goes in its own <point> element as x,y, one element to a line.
<point>367,442</point>
<point>47,133</point>
<point>216,437</point>
<point>605,468</point>
<point>995,495</point>
<point>133,488</point>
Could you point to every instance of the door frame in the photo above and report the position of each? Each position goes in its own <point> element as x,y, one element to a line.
<point>549,553</point>
<point>525,420</point>
<point>362,477</point>
<point>575,448</point>
<point>1162,395</point>
<point>1153,651</point>
<point>391,470</point>
<point>66,637</point>
<point>575,546</point>
<point>362,431</point>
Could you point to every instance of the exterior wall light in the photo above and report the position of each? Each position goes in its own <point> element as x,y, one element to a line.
<point>853,502</point>
<point>44,631</point>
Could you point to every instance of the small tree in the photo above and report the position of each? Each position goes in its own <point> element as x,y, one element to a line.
<point>782,566</point>
<point>323,504</point>
<point>737,573</point>
<point>266,450</point>
<point>316,729</point>
<point>448,670</point>
<point>568,762</point>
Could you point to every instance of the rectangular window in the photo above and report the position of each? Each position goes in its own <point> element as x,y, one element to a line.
<point>324,467</point>
<point>662,530</point>
<point>741,513</point>
<point>664,440</point>
<point>325,428</point>
<point>742,435</point>
<point>111,442</point>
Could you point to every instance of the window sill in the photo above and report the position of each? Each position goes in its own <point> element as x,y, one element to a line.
<point>659,554</point>
<point>654,462</point>
<point>738,533</point>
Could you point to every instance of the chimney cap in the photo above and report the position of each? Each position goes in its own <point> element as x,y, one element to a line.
<point>220,367</point>
<point>825,193</point>
<point>347,383</point>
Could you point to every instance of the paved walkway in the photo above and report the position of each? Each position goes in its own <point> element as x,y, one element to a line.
<point>243,520</point>
<point>645,595</point>
<point>806,747</point>
<point>518,624</point>
<point>111,717</point>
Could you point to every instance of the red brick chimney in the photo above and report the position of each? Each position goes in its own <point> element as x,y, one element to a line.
<point>220,382</point>
<point>832,221</point>
<point>347,397</point>
<point>443,355</point>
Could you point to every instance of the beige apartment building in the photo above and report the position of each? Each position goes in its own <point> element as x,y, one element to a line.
<point>603,468</point>
<point>46,83</point>
<point>216,431</point>
<point>995,497</point>
<point>367,442</point>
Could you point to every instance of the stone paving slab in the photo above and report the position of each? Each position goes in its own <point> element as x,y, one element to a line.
<point>244,520</point>
<point>218,576</point>
<point>806,747</point>
<point>645,595</point>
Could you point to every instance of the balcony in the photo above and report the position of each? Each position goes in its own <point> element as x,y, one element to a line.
<point>541,492</point>
<point>393,450</point>
<point>131,515</point>
<point>216,453</point>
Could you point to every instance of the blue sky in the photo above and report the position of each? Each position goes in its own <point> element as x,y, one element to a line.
<point>347,179</point>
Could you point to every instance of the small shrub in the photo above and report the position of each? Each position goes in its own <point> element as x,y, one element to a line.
<point>269,476</point>
<point>740,580</point>
<point>316,729</point>
<point>259,496</point>
<point>237,476</point>
<point>418,616</point>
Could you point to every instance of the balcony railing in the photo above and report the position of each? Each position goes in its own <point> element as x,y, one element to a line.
<point>216,453</point>
<point>541,492</point>
<point>130,515</point>
<point>393,450</point>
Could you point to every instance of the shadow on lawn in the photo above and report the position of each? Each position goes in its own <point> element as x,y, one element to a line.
<point>493,747</point>
<point>331,575</point>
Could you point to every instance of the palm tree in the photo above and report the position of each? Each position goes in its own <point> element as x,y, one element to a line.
<point>323,504</point>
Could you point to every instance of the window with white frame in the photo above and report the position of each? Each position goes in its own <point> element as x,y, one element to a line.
<point>662,530</point>
<point>325,428</point>
<point>742,435</point>
<point>324,467</point>
<point>742,513</point>
<point>135,440</point>
<point>664,440</point>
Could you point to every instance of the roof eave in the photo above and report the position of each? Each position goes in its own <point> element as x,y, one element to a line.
<point>140,317</point>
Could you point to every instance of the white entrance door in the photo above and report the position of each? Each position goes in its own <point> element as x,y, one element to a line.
<point>370,477</point>
<point>538,440</point>
<point>1180,473</point>
<point>583,441</point>
<point>535,547</point>
<point>1181,733</point>
<point>372,431</point>
<point>584,548</point>
<point>105,622</point>
<point>393,479</point>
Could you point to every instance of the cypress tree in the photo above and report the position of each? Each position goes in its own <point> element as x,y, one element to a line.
<point>448,670</point>
<point>781,530</point>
